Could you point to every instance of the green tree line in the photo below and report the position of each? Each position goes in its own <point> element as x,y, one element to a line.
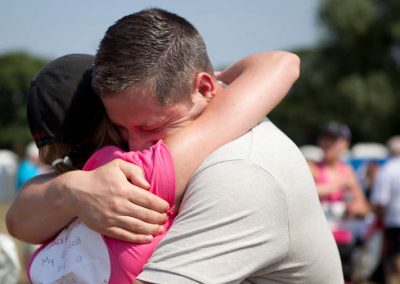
<point>16,72</point>
<point>352,75</point>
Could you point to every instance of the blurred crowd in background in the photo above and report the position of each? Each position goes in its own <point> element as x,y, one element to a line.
<point>359,190</point>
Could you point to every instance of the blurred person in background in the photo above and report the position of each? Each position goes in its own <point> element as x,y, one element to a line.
<point>338,189</point>
<point>335,179</point>
<point>9,263</point>
<point>385,199</point>
<point>369,177</point>
<point>29,166</point>
<point>8,170</point>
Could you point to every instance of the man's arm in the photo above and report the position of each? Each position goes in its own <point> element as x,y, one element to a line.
<point>104,199</point>
<point>232,222</point>
<point>266,78</point>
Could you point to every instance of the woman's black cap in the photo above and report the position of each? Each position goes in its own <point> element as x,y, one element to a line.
<point>62,106</point>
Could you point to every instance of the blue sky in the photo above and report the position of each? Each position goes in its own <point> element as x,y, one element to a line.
<point>231,28</point>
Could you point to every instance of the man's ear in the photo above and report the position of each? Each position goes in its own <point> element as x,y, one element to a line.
<point>204,85</point>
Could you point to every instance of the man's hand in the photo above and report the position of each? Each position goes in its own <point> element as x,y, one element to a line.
<point>113,201</point>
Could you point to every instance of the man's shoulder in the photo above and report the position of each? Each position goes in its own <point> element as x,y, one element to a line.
<point>264,145</point>
<point>265,151</point>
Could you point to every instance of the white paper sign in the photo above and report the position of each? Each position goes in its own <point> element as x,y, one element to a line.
<point>77,255</point>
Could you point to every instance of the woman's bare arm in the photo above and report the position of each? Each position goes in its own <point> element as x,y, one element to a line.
<point>256,85</point>
<point>358,206</point>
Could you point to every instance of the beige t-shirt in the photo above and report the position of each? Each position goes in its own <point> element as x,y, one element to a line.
<point>250,214</point>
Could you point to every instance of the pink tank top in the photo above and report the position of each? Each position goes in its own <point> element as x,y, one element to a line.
<point>80,255</point>
<point>342,235</point>
<point>323,178</point>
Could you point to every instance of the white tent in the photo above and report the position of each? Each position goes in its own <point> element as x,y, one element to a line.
<point>369,151</point>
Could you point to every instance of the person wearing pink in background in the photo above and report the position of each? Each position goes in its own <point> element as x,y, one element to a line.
<point>339,190</point>
<point>335,179</point>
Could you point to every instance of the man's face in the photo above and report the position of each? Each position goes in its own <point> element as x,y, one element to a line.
<point>142,121</point>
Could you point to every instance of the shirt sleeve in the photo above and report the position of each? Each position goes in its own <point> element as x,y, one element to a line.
<point>233,221</point>
<point>156,162</point>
